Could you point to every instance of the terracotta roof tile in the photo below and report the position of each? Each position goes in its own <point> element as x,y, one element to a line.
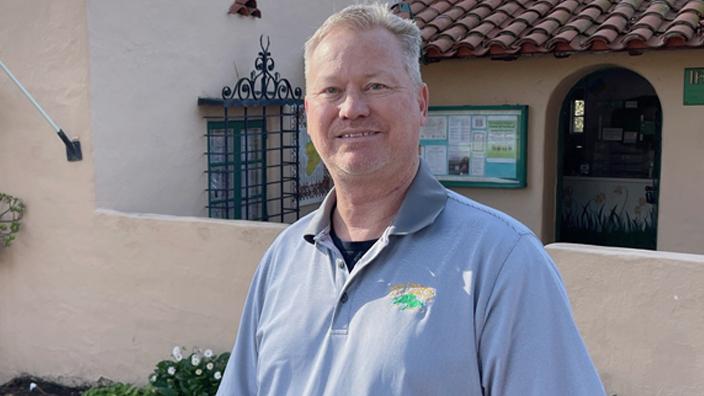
<point>590,12</point>
<point>246,8</point>
<point>568,5</point>
<point>505,29</point>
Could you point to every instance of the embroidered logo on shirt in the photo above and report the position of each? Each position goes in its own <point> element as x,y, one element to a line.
<point>411,297</point>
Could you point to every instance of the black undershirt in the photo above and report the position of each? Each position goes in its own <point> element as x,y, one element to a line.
<point>351,251</point>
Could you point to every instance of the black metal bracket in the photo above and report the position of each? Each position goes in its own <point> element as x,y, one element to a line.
<point>73,147</point>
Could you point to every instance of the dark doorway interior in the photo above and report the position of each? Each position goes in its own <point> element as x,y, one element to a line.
<point>609,166</point>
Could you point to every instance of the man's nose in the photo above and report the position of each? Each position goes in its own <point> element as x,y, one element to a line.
<point>353,106</point>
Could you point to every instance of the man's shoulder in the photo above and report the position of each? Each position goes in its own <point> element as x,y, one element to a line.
<point>459,208</point>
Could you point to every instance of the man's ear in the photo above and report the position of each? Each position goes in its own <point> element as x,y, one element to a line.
<point>423,100</point>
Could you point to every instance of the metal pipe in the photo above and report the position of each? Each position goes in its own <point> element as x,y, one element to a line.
<point>73,148</point>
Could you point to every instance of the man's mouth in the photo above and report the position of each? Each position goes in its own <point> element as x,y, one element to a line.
<point>357,135</point>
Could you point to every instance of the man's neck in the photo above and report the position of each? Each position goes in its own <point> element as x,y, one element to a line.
<point>363,212</point>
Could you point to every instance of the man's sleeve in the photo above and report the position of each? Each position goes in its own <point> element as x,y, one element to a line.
<point>239,378</point>
<point>529,344</point>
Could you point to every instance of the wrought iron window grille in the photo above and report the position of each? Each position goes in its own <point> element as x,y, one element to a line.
<point>253,146</point>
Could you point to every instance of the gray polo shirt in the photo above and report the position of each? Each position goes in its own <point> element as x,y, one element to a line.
<point>454,299</point>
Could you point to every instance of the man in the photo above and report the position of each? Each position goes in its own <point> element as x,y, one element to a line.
<point>397,286</point>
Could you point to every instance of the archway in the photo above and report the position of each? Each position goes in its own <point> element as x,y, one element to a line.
<point>609,161</point>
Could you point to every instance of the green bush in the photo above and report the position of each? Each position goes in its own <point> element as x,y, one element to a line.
<point>11,210</point>
<point>199,374</point>
<point>117,389</point>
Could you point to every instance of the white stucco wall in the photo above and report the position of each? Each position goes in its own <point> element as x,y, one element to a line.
<point>149,62</point>
<point>542,83</point>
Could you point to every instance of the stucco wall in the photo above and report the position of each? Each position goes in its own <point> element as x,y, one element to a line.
<point>149,62</point>
<point>640,313</point>
<point>542,83</point>
<point>85,294</point>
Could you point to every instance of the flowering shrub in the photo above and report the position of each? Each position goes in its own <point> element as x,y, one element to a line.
<point>198,374</point>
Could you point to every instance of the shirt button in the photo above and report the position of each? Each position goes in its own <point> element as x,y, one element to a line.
<point>343,299</point>
<point>340,263</point>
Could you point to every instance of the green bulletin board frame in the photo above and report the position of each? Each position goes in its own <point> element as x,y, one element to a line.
<point>476,146</point>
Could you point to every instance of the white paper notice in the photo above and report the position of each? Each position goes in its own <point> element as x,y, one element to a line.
<point>459,130</point>
<point>436,157</point>
<point>476,166</point>
<point>434,128</point>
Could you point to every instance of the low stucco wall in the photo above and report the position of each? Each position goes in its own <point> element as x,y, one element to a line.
<point>641,314</point>
<point>113,297</point>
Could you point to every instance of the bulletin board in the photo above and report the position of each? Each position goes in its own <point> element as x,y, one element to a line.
<point>476,146</point>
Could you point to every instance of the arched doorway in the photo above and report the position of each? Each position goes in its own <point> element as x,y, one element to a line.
<point>609,161</point>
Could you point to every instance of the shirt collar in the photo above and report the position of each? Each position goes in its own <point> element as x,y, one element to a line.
<point>423,203</point>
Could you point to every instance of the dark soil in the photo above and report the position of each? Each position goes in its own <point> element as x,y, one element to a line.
<point>20,387</point>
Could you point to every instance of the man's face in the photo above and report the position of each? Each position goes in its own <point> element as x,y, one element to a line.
<point>363,111</point>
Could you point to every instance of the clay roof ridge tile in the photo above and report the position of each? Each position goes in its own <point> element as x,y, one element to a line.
<point>466,5</point>
<point>468,22</point>
<point>427,15</point>
<point>510,8</point>
<point>561,16</point>
<point>528,17</point>
<point>441,22</point>
<point>484,28</point>
<point>568,5</point>
<point>658,7</point>
<point>547,26</point>
<point>580,25</point>
<point>624,10</point>
<point>563,37</point>
<point>642,33</point>
<point>455,33</point>
<point>417,7</point>
<point>496,18</point>
<point>454,13</point>
<point>441,6</point>
<point>504,41</point>
<point>480,12</point>
<point>515,27</point>
<point>684,31</point>
<point>688,18</point>
<point>590,12</point>
<point>472,41</point>
<point>695,6</point>
<point>607,34</point>
<point>602,5</point>
<point>650,21</point>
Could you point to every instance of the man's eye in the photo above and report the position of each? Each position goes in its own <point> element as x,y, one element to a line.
<point>376,87</point>
<point>331,90</point>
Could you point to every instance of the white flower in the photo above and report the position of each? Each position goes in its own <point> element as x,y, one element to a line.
<point>195,359</point>
<point>32,386</point>
<point>209,366</point>
<point>176,353</point>
<point>217,375</point>
<point>152,378</point>
<point>171,370</point>
<point>199,372</point>
<point>208,353</point>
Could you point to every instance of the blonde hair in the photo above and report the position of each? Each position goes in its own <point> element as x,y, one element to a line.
<point>362,17</point>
